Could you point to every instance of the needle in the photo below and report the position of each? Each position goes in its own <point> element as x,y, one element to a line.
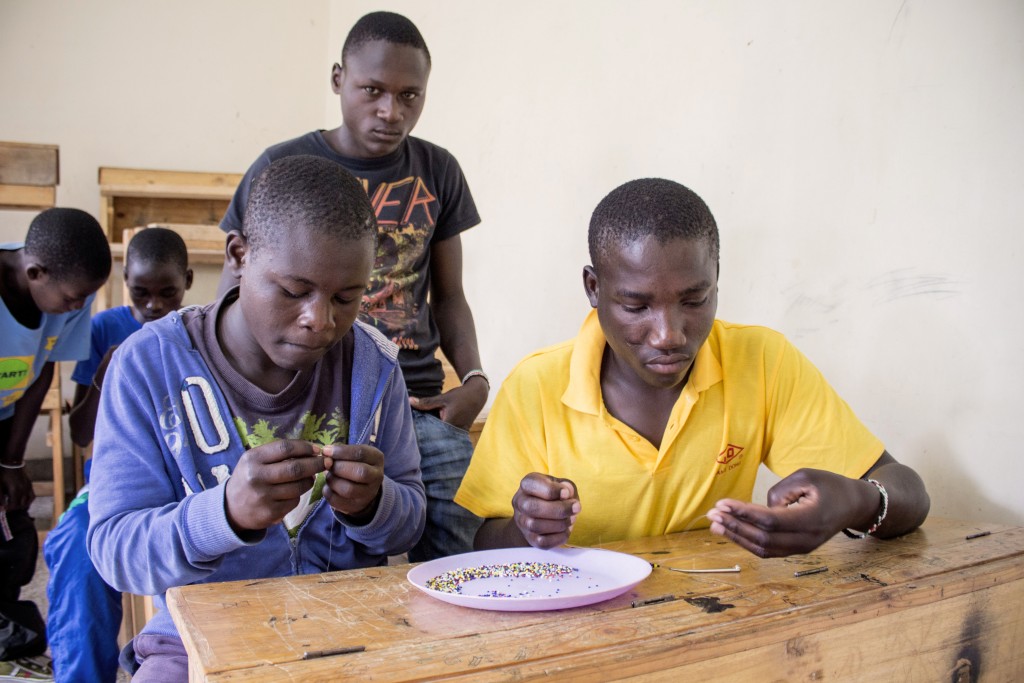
<point>723,570</point>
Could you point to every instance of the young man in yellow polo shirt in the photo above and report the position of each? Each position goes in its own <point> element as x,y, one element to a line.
<point>657,416</point>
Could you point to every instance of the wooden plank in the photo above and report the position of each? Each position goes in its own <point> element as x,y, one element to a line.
<point>27,197</point>
<point>131,197</point>
<point>260,628</point>
<point>207,257</point>
<point>950,640</point>
<point>204,243</point>
<point>131,212</point>
<point>29,164</point>
<point>197,237</point>
<point>132,181</point>
<point>165,191</point>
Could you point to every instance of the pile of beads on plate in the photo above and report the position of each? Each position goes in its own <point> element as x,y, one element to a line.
<point>451,581</point>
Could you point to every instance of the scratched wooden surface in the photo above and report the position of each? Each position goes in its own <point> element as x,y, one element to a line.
<point>928,606</point>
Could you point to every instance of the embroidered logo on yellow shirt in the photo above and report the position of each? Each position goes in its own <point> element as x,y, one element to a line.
<point>730,458</point>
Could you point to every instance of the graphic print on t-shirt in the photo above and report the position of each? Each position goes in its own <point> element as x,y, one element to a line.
<point>15,373</point>
<point>405,224</point>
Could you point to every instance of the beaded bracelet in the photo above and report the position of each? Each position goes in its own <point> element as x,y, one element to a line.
<point>883,511</point>
<point>477,373</point>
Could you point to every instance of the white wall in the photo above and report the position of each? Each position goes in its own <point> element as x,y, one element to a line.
<point>178,85</point>
<point>170,84</point>
<point>864,161</point>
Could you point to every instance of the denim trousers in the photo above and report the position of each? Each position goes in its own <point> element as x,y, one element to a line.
<point>445,451</point>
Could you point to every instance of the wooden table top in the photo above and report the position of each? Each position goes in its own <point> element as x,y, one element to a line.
<point>903,609</point>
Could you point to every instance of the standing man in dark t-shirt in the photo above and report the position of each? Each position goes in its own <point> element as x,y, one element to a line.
<point>423,203</point>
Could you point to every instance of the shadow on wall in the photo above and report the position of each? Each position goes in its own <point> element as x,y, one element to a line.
<point>956,492</point>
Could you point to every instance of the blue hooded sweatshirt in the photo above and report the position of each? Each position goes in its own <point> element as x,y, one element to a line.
<point>165,446</point>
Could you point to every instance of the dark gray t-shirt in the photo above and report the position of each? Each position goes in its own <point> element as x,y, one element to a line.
<point>420,197</point>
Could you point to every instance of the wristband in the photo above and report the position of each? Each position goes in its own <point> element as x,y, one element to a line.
<point>477,373</point>
<point>7,466</point>
<point>882,511</point>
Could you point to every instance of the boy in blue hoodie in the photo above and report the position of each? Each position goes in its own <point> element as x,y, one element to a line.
<point>266,434</point>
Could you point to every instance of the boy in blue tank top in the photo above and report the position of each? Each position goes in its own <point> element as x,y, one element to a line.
<point>47,284</point>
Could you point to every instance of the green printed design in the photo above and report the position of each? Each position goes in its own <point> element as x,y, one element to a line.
<point>309,429</point>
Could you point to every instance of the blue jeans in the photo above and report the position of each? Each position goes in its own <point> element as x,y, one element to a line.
<point>445,451</point>
<point>85,613</point>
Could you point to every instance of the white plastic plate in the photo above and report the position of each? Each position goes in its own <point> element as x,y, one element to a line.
<point>601,575</point>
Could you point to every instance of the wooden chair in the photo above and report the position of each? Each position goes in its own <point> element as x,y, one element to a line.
<point>53,407</point>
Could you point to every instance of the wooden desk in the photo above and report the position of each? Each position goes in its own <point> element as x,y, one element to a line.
<point>931,606</point>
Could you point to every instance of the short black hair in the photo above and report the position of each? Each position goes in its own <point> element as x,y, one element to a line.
<point>69,243</point>
<point>311,191</point>
<point>387,26</point>
<point>157,245</point>
<point>655,207</point>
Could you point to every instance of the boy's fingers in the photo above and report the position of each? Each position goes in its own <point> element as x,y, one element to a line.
<point>285,449</point>
<point>539,508</point>
<point>355,472</point>
<point>770,519</point>
<point>548,540</point>
<point>293,469</point>
<point>568,489</point>
<point>542,486</point>
<point>428,403</point>
<point>290,491</point>
<point>359,453</point>
<point>543,527</point>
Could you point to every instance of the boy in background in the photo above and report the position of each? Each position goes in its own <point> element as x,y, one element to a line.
<point>85,613</point>
<point>657,412</point>
<point>47,284</point>
<point>266,434</point>
<point>422,203</point>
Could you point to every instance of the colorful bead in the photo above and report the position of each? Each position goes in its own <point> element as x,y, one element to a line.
<point>452,581</point>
